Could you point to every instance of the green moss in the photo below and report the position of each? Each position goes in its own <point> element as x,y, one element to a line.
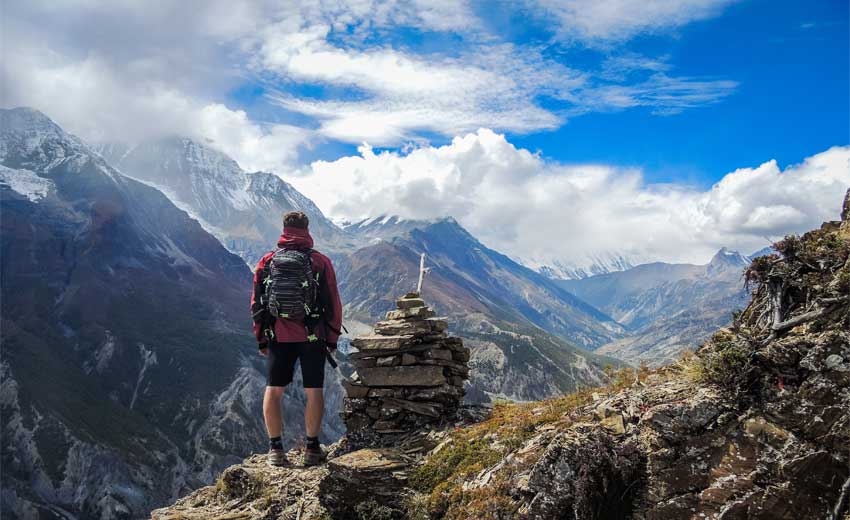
<point>724,362</point>
<point>458,459</point>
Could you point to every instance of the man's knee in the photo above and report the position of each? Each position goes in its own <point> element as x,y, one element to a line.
<point>314,393</point>
<point>275,392</point>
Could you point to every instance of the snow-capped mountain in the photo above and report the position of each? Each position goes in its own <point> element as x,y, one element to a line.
<point>589,265</point>
<point>667,307</point>
<point>385,227</point>
<point>242,209</point>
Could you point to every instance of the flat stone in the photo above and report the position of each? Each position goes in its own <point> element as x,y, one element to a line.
<point>439,354</point>
<point>356,421</point>
<point>385,392</point>
<point>456,381</point>
<point>355,391</point>
<point>614,424</point>
<point>453,343</point>
<point>761,427</point>
<point>409,303</point>
<point>369,462</point>
<point>418,347</point>
<point>429,410</point>
<point>403,376</point>
<point>414,312</point>
<point>388,361</point>
<point>461,356</point>
<point>444,393</point>
<point>403,327</point>
<point>386,425</point>
<point>363,362</point>
<point>408,359</point>
<point>456,368</point>
<point>604,410</point>
<point>438,324</point>
<point>380,342</point>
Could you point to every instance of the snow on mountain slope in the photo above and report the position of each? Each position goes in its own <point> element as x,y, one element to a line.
<point>590,265</point>
<point>25,183</point>
<point>668,307</point>
<point>242,209</point>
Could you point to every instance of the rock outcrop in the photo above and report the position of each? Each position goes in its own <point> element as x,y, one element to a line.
<point>410,372</point>
<point>755,425</point>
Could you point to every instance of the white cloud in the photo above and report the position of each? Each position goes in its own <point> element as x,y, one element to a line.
<point>494,86</point>
<point>601,22</point>
<point>93,99</point>
<point>526,207</point>
<point>123,70</point>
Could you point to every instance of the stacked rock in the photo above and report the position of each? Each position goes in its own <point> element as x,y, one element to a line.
<point>410,372</point>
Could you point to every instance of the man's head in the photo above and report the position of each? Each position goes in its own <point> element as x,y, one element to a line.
<point>296,219</point>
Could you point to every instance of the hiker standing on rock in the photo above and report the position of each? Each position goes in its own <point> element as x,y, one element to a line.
<point>297,317</point>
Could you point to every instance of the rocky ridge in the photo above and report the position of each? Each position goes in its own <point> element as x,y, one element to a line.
<point>756,425</point>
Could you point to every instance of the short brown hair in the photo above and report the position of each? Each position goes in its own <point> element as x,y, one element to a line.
<point>296,219</point>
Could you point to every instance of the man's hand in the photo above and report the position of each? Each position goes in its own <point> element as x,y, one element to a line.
<point>264,351</point>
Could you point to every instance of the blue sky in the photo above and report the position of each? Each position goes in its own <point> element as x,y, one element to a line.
<point>556,131</point>
<point>788,58</point>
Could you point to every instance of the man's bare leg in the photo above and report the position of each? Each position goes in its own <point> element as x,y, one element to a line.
<point>271,410</point>
<point>313,411</point>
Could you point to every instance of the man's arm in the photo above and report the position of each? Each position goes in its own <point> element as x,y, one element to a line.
<point>258,308</point>
<point>333,306</point>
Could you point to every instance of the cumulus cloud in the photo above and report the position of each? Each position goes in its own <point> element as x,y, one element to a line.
<point>518,203</point>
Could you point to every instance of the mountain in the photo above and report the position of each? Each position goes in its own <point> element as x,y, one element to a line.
<point>753,426</point>
<point>589,265</point>
<point>522,328</point>
<point>242,209</point>
<point>384,227</point>
<point>373,268</point>
<point>667,307</point>
<point>128,374</point>
<point>762,252</point>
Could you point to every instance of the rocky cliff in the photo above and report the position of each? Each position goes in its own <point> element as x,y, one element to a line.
<point>755,425</point>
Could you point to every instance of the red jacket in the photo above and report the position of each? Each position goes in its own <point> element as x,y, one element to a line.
<point>292,331</point>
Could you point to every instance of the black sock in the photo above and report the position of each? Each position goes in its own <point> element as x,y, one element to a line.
<point>313,443</point>
<point>276,443</point>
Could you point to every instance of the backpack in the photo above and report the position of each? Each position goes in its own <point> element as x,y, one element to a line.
<point>292,289</point>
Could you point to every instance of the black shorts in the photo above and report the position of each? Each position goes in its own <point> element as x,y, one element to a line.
<point>282,358</point>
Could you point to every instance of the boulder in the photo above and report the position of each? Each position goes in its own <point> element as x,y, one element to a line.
<point>380,342</point>
<point>403,376</point>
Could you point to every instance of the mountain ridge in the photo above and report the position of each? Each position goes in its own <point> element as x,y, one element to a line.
<point>668,308</point>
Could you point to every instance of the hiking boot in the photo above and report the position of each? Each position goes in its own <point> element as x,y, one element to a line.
<point>314,456</point>
<point>277,458</point>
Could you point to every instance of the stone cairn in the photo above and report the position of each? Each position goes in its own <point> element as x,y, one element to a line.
<point>409,372</point>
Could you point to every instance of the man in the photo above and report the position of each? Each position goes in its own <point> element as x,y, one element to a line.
<point>297,316</point>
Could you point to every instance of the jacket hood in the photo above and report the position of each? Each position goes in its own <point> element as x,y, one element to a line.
<point>295,238</point>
